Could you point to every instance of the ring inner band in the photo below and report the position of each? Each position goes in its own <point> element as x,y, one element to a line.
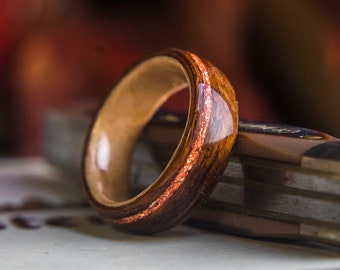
<point>120,121</point>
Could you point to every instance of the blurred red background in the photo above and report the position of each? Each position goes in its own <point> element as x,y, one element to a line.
<point>282,57</point>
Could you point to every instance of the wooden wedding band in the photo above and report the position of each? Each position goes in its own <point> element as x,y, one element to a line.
<point>199,159</point>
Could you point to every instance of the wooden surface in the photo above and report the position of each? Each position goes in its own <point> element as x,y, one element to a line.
<point>91,245</point>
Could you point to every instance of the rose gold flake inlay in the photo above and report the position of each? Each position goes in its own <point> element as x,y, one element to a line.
<point>200,135</point>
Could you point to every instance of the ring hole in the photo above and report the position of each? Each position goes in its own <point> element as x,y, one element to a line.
<point>158,141</point>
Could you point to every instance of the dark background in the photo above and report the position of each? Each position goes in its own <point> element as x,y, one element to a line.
<point>282,57</point>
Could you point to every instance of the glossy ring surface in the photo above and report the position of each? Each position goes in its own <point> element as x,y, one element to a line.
<point>199,159</point>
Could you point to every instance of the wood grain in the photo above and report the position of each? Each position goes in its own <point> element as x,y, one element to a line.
<point>199,159</point>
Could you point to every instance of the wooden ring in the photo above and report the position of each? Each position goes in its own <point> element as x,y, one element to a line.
<point>199,159</point>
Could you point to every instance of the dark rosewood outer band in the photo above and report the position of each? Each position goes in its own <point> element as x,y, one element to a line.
<point>199,159</point>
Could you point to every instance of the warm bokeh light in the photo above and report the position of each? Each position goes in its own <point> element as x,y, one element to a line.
<point>282,57</point>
